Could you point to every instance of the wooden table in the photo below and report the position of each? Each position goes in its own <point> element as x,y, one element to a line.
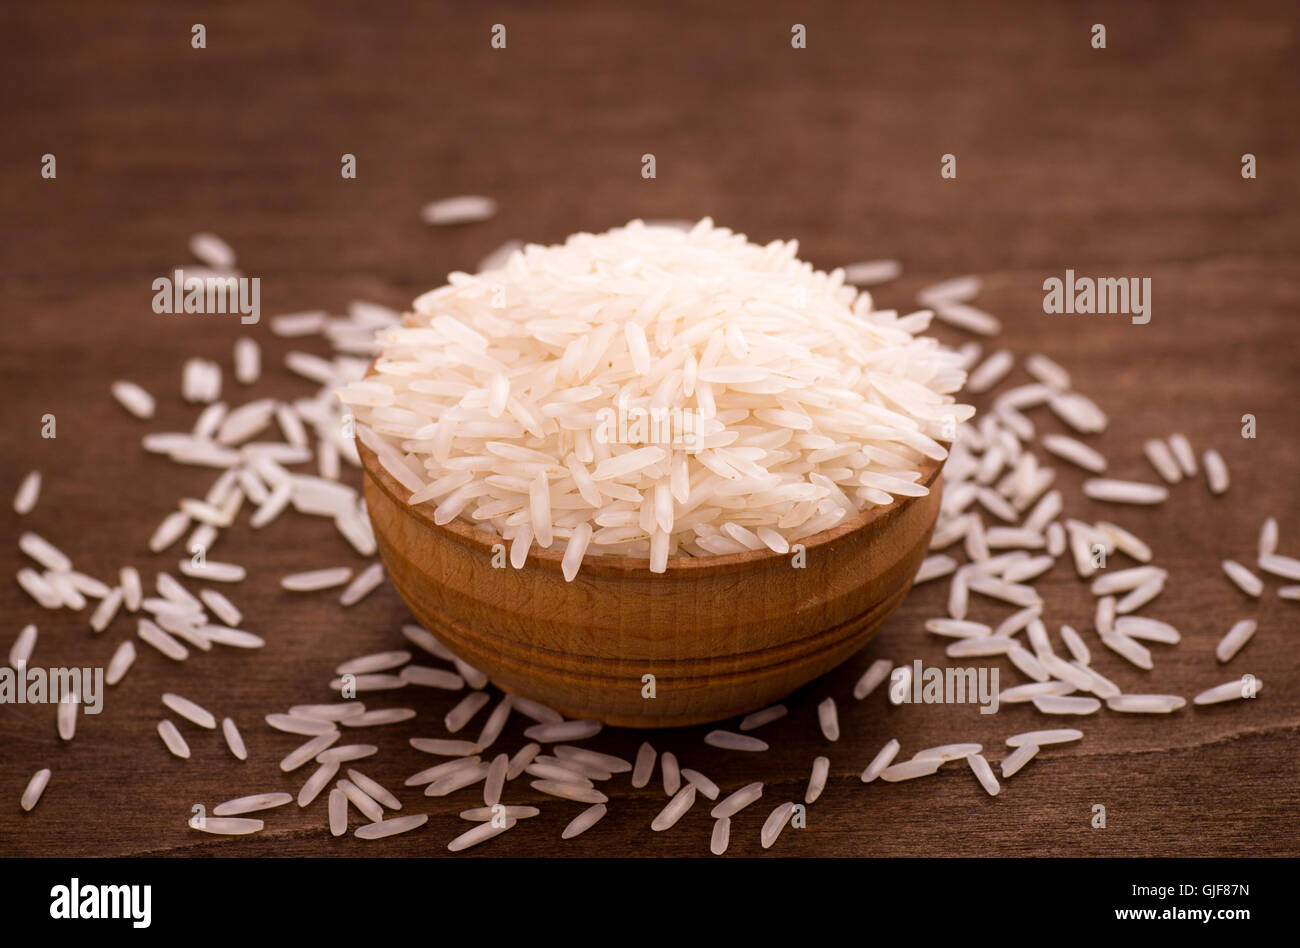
<point>1116,162</point>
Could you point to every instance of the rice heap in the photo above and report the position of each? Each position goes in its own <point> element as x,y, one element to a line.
<point>653,391</point>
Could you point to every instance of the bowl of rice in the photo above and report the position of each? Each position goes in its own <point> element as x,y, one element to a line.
<point>657,476</point>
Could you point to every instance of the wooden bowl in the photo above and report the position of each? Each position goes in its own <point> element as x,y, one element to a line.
<point>722,635</point>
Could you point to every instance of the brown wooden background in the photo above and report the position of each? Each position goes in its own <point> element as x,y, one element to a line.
<point>1118,162</point>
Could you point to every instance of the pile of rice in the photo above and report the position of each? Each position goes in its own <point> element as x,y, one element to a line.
<point>653,391</point>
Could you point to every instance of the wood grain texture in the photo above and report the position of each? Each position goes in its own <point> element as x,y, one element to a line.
<point>722,635</point>
<point>1120,162</point>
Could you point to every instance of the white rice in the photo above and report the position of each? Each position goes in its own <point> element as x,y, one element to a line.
<point>1235,640</point>
<point>338,812</point>
<point>933,567</point>
<point>252,804</point>
<point>1024,660</point>
<point>458,779</point>
<point>481,813</point>
<point>882,760</point>
<point>374,790</point>
<point>644,767</point>
<point>379,661</point>
<point>946,752</point>
<point>463,209</point>
<point>728,740</point>
<point>35,787</point>
<point>44,552</point>
<point>369,808</point>
<point>570,790</point>
<point>317,782</point>
<point>1018,758</point>
<point>191,712</point>
<point>496,723</point>
<point>671,772</point>
<point>1243,578</point>
<point>1183,453</point>
<point>1287,567</point>
<point>1229,691</point>
<point>1140,596</point>
<point>1124,492</point>
<point>432,677</point>
<point>872,272</point>
<point>1047,372</point>
<point>1145,704</point>
<point>990,372</point>
<point>464,710</point>
<point>876,673</point>
<point>67,716</point>
<point>385,828</point>
<point>1268,536</point>
<point>172,738</point>
<point>1075,644</point>
<point>305,752</point>
<point>120,663</point>
<point>1162,459</point>
<point>248,360</point>
<point>984,773</point>
<point>594,759</point>
<point>443,747</point>
<point>290,724</point>
<point>366,582</point>
<point>133,398</point>
<point>721,836</point>
<point>1079,412</point>
<point>1039,738</point>
<point>1020,694</point>
<point>584,821</point>
<point>21,651</point>
<point>379,717</point>
<point>829,719</point>
<point>775,822</point>
<point>28,493</point>
<point>291,325</point>
<point>151,634</point>
<point>1128,648</point>
<point>960,289</point>
<point>676,808</point>
<point>441,771</point>
<point>957,628</point>
<point>817,780</point>
<point>229,826</point>
<point>1152,630</point>
<point>480,834</point>
<point>346,752</point>
<point>567,731</point>
<point>733,803</point>
<point>639,351</point>
<point>910,769</point>
<point>1216,471</point>
<point>758,718</point>
<point>963,316</point>
<point>316,579</point>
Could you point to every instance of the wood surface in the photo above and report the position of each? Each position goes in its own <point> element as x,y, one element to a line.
<point>1117,162</point>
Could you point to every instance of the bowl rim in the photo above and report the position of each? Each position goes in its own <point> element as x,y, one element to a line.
<point>613,564</point>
